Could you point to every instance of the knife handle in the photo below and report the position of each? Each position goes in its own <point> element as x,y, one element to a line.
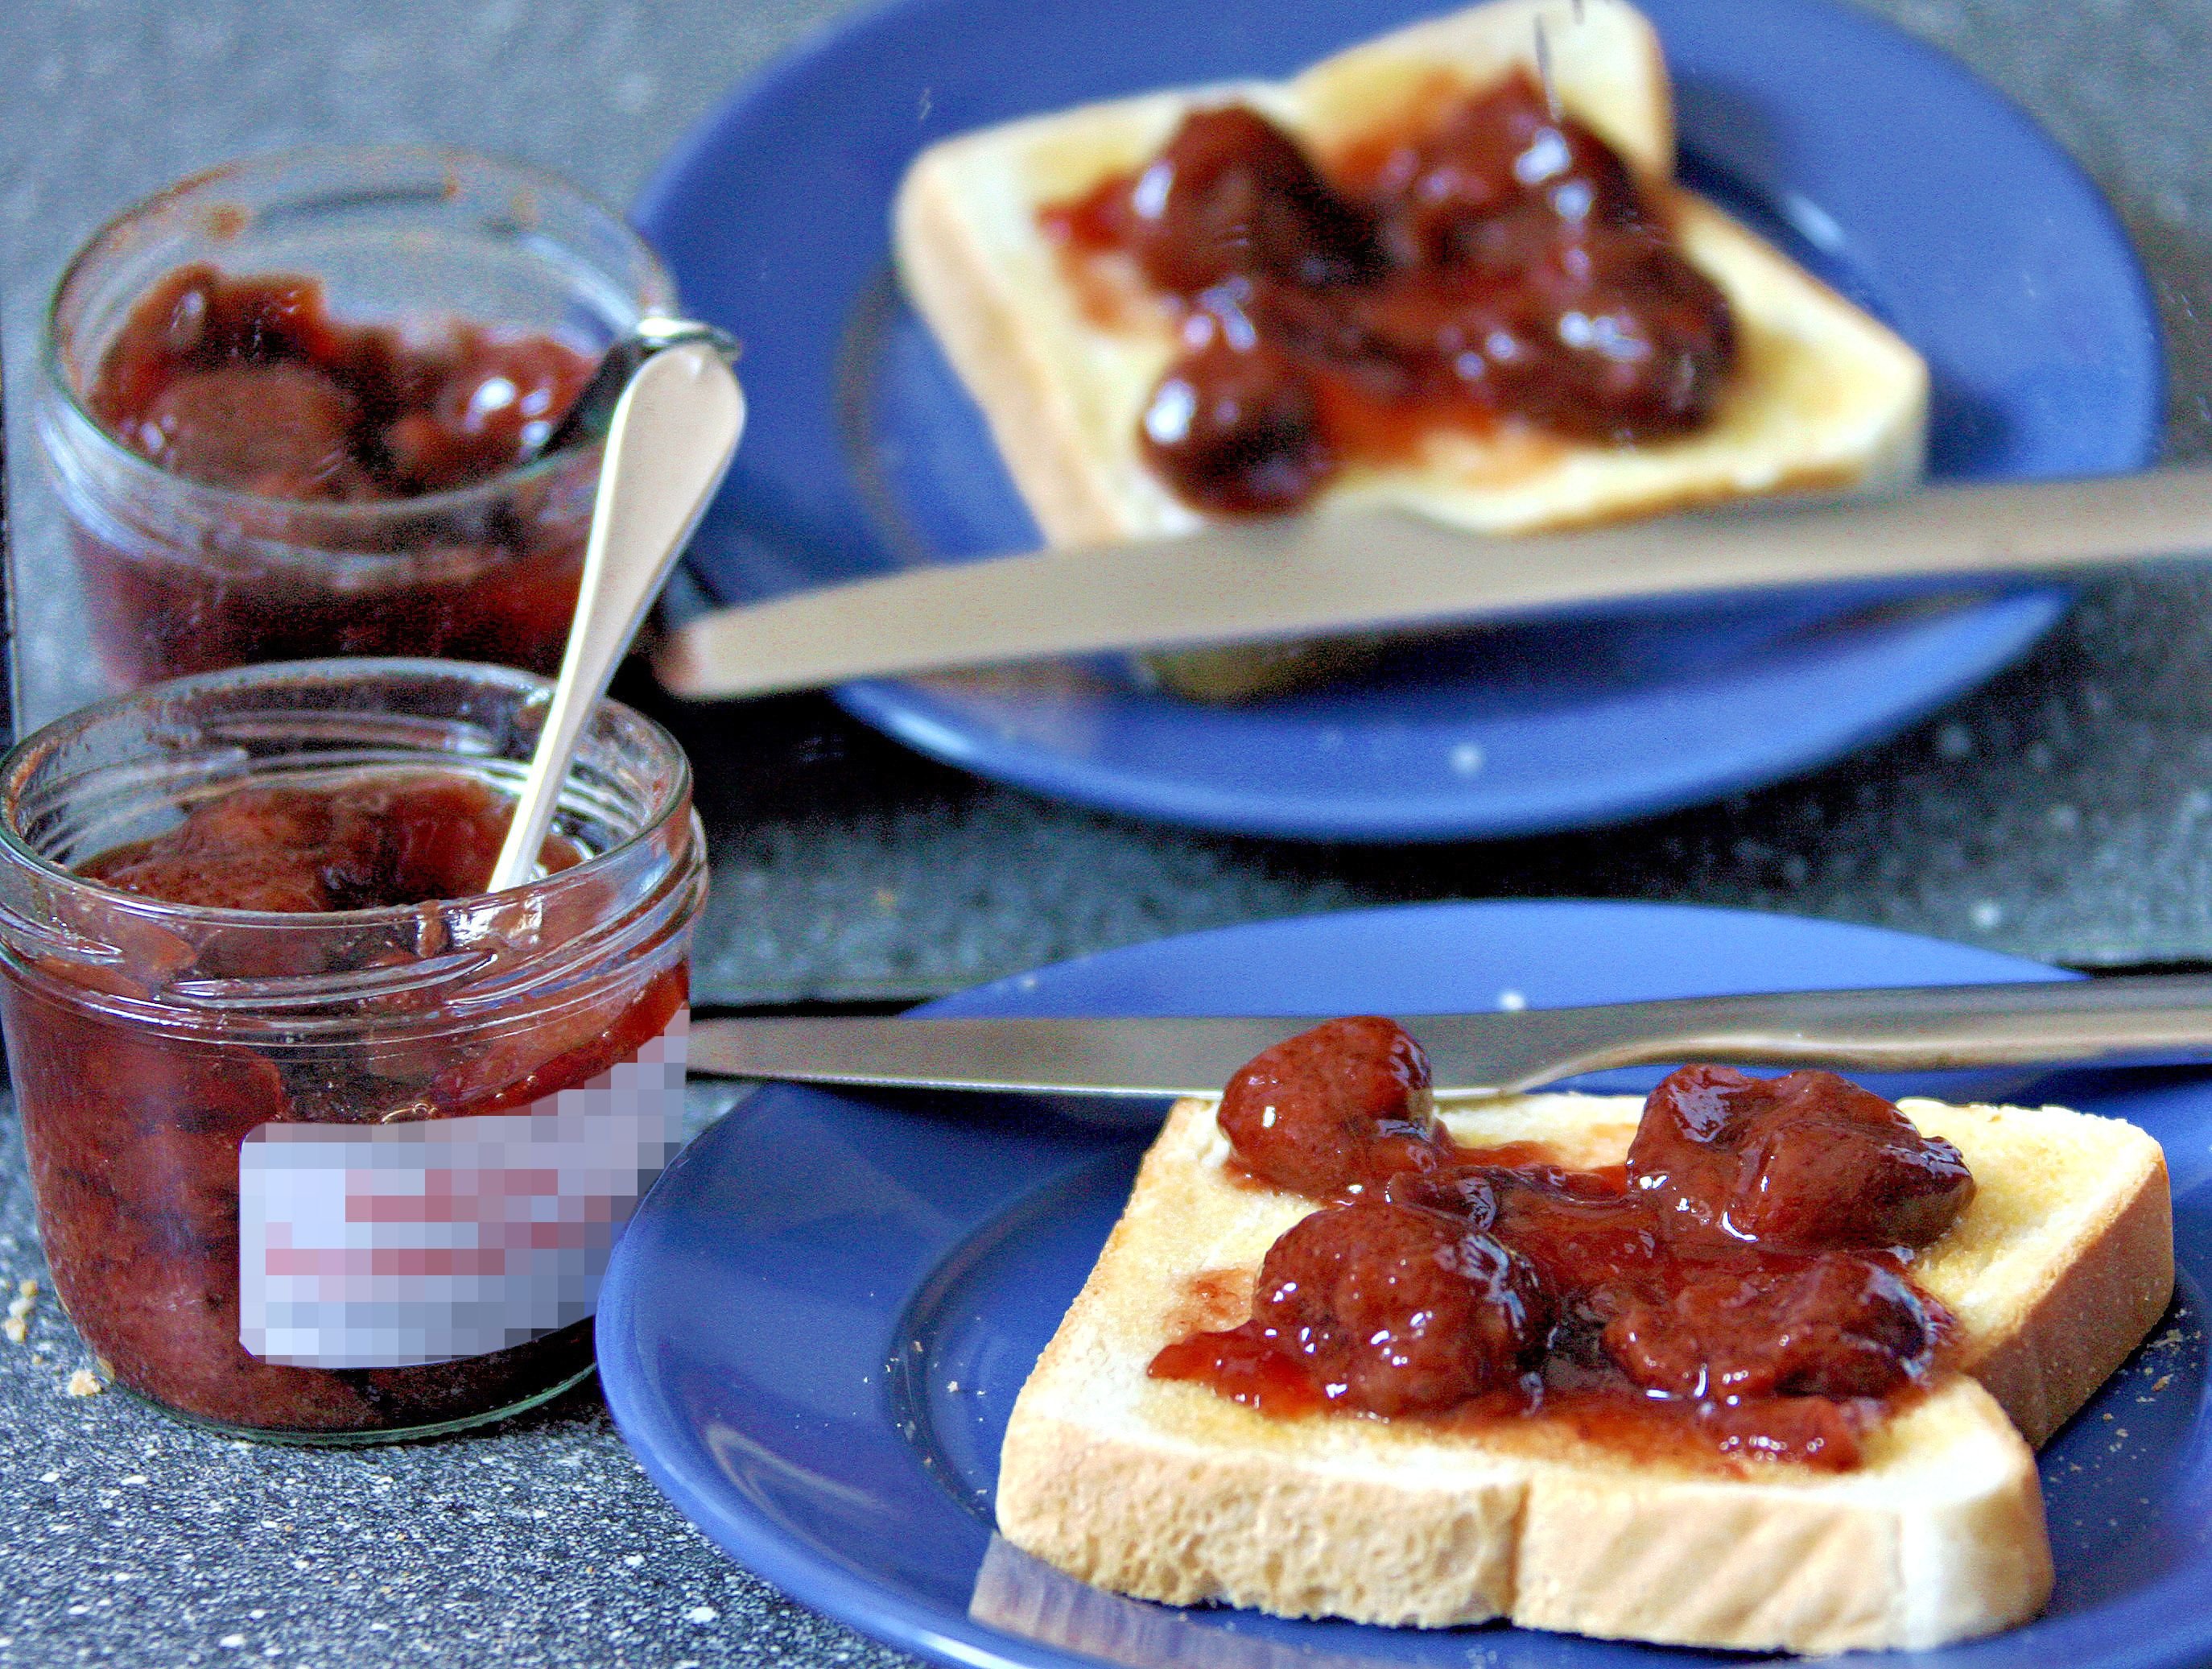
<point>2164,1018</point>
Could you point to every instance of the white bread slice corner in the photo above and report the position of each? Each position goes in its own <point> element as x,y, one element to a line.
<point>1826,400</point>
<point>2064,1261</point>
<point>1164,1490</point>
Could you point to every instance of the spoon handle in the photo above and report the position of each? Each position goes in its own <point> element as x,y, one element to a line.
<point>672,439</point>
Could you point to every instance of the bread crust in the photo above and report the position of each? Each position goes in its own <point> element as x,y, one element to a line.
<point>1235,1524</point>
<point>1164,1490</point>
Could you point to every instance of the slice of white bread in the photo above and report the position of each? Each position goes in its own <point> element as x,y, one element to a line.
<point>1825,398</point>
<point>1165,1491</point>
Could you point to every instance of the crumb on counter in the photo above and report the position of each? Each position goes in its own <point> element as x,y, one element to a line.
<point>84,1383</point>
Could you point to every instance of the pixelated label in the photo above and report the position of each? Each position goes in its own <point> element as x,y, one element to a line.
<point>389,1245</point>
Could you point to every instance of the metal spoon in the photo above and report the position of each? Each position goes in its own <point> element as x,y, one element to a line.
<point>592,411</point>
<point>670,437</point>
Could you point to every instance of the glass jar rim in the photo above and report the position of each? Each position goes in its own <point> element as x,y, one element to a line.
<point>672,802</point>
<point>136,466</point>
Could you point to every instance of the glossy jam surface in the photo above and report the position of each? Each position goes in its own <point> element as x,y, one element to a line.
<point>1805,1162</point>
<point>134,1134</point>
<point>251,384</point>
<point>1327,1110</point>
<point>1738,1286</point>
<point>1487,262</point>
<point>373,843</point>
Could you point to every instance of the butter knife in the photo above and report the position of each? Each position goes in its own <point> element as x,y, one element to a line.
<point>1357,569</point>
<point>2164,1018</point>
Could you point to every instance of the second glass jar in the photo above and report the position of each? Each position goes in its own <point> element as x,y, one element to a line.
<point>186,570</point>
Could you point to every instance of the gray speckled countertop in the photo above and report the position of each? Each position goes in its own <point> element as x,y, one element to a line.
<point>2064,811</point>
<point>128,1538</point>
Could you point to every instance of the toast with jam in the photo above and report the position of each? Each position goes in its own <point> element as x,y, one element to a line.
<point>1751,1363</point>
<point>1429,272</point>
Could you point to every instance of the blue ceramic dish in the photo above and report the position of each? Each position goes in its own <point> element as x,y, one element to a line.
<point>813,1330</point>
<point>1876,162</point>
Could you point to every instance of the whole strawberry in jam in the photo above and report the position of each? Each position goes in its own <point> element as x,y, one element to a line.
<point>1838,1326</point>
<point>1395,1308</point>
<point>251,383</point>
<point>1805,1162</point>
<point>1333,1111</point>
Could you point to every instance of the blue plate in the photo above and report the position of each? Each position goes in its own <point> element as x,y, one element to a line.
<point>1876,162</point>
<point>813,1330</point>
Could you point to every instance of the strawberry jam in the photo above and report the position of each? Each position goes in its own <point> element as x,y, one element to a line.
<point>1495,263</point>
<point>1738,1287</point>
<point>373,843</point>
<point>250,385</point>
<point>135,1114</point>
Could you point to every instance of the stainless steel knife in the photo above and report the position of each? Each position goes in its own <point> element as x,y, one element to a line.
<point>1355,570</point>
<point>2164,1017</point>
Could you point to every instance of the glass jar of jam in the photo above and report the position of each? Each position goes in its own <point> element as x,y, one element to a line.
<point>326,1144</point>
<point>293,407</point>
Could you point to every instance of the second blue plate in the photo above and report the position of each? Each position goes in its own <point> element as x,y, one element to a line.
<point>1876,162</point>
<point>814,1329</point>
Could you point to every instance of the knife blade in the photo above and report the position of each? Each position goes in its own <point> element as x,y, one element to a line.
<point>2162,1018</point>
<point>1359,570</point>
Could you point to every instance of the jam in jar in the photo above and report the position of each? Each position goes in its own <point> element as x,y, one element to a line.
<point>1739,1288</point>
<point>298,1094</point>
<point>293,407</point>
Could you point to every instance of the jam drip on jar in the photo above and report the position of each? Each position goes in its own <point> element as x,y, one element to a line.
<point>1501,262</point>
<point>1739,1283</point>
<point>251,384</point>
